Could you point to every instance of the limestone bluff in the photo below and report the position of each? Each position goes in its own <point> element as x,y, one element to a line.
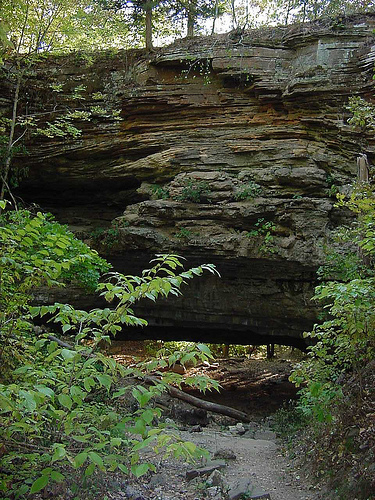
<point>261,112</point>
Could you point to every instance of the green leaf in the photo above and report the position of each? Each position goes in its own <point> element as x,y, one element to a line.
<point>116,441</point>
<point>65,401</point>
<point>139,470</point>
<point>147,416</point>
<point>191,447</point>
<point>144,443</point>
<point>68,354</point>
<point>34,311</point>
<point>80,459</point>
<point>45,390</point>
<point>96,459</point>
<point>88,383</point>
<point>205,349</point>
<point>120,392</point>
<point>57,476</point>
<point>139,427</point>
<point>105,380</point>
<point>90,469</point>
<point>39,484</point>
<point>82,439</point>
<point>66,328</point>
<point>59,453</point>
<point>5,403</point>
<point>123,468</point>
<point>40,343</point>
<point>29,399</point>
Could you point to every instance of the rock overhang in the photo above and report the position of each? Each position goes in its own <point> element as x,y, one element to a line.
<point>265,113</point>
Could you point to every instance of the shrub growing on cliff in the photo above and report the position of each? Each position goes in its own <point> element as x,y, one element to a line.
<point>345,341</point>
<point>194,190</point>
<point>248,192</point>
<point>62,416</point>
<point>265,230</point>
<point>363,113</point>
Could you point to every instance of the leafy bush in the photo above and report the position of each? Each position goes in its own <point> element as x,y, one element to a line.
<point>38,241</point>
<point>62,405</point>
<point>194,191</point>
<point>184,234</point>
<point>363,113</point>
<point>160,192</point>
<point>288,420</point>
<point>248,192</point>
<point>36,250</point>
<point>345,341</point>
<point>106,238</point>
<point>265,230</point>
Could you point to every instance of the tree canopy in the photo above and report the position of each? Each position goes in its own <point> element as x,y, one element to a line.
<point>45,25</point>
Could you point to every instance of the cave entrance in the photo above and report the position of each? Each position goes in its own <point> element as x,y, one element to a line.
<point>249,381</point>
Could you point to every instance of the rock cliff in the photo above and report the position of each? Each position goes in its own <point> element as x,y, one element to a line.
<point>226,149</point>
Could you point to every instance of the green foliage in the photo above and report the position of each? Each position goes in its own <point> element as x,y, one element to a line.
<point>60,128</point>
<point>98,96</point>
<point>332,187</point>
<point>106,238</point>
<point>363,113</point>
<point>62,410</point>
<point>198,67</point>
<point>264,230</point>
<point>345,340</point>
<point>288,420</point>
<point>57,87</point>
<point>185,354</point>
<point>194,191</point>
<point>43,243</point>
<point>248,192</point>
<point>184,234</point>
<point>35,250</point>
<point>291,11</point>
<point>99,111</point>
<point>159,192</point>
<point>60,122</point>
<point>78,115</point>
<point>78,92</point>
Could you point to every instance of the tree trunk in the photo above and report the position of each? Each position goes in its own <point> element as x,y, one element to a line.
<point>191,12</point>
<point>216,15</point>
<point>225,350</point>
<point>201,403</point>
<point>234,18</point>
<point>362,168</point>
<point>270,351</point>
<point>190,24</point>
<point>8,157</point>
<point>148,10</point>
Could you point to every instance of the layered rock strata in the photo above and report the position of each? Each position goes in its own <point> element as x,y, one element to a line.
<point>230,149</point>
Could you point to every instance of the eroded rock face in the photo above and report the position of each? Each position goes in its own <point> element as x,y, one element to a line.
<point>230,150</point>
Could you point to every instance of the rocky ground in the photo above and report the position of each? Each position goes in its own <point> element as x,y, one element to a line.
<point>247,459</point>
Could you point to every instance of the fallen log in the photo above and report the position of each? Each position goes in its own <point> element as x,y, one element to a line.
<point>202,403</point>
<point>208,405</point>
<point>177,393</point>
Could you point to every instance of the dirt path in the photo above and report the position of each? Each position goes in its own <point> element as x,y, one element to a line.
<point>261,461</point>
<point>255,465</point>
<point>251,457</point>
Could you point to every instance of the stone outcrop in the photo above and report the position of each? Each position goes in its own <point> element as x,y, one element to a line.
<point>230,150</point>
